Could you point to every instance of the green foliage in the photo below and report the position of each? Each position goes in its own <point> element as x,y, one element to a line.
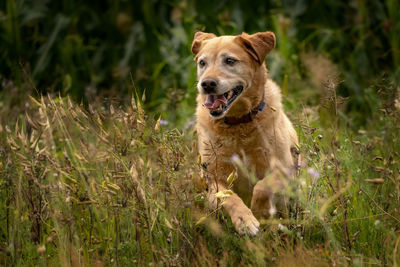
<point>85,49</point>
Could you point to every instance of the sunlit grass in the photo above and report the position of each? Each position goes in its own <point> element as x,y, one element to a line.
<point>112,185</point>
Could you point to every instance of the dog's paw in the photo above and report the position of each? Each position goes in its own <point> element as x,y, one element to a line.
<point>245,222</point>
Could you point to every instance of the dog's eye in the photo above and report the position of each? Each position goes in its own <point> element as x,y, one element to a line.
<point>230,61</point>
<point>202,63</point>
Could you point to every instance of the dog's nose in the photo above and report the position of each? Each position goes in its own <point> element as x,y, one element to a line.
<point>209,85</point>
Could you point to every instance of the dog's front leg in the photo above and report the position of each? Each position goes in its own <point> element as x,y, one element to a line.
<point>241,216</point>
<point>268,198</point>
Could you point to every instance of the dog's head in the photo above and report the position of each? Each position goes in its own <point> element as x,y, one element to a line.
<point>226,66</point>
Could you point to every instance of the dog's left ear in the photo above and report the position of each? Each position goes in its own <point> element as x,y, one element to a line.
<point>199,37</point>
<point>258,45</point>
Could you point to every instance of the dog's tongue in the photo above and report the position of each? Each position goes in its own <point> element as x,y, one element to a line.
<point>213,101</point>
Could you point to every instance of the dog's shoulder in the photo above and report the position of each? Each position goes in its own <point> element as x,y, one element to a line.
<point>273,95</point>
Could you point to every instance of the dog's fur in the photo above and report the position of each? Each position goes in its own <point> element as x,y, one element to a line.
<point>261,144</point>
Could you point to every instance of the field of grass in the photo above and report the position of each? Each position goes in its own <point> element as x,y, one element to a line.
<point>112,185</point>
<point>98,154</point>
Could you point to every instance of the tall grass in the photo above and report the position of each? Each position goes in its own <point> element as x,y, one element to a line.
<point>96,186</point>
<point>113,185</point>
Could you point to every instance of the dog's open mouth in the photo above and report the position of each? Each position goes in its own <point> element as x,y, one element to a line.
<point>218,104</point>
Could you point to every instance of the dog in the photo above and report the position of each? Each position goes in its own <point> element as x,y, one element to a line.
<point>240,120</point>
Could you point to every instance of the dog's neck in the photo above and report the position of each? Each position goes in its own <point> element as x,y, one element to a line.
<point>247,117</point>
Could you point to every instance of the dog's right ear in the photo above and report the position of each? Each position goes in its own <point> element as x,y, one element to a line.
<point>199,37</point>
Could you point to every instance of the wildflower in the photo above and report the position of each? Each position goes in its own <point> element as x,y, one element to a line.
<point>163,122</point>
<point>235,158</point>
<point>189,124</point>
<point>314,173</point>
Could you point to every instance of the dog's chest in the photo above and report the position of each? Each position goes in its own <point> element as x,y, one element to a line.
<point>249,145</point>
<point>253,152</point>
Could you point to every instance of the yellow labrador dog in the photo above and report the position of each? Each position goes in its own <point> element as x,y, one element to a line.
<point>240,118</point>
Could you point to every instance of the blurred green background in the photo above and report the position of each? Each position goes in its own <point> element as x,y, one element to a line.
<point>91,49</point>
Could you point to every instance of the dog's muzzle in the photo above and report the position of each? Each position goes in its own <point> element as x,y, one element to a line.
<point>219,104</point>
